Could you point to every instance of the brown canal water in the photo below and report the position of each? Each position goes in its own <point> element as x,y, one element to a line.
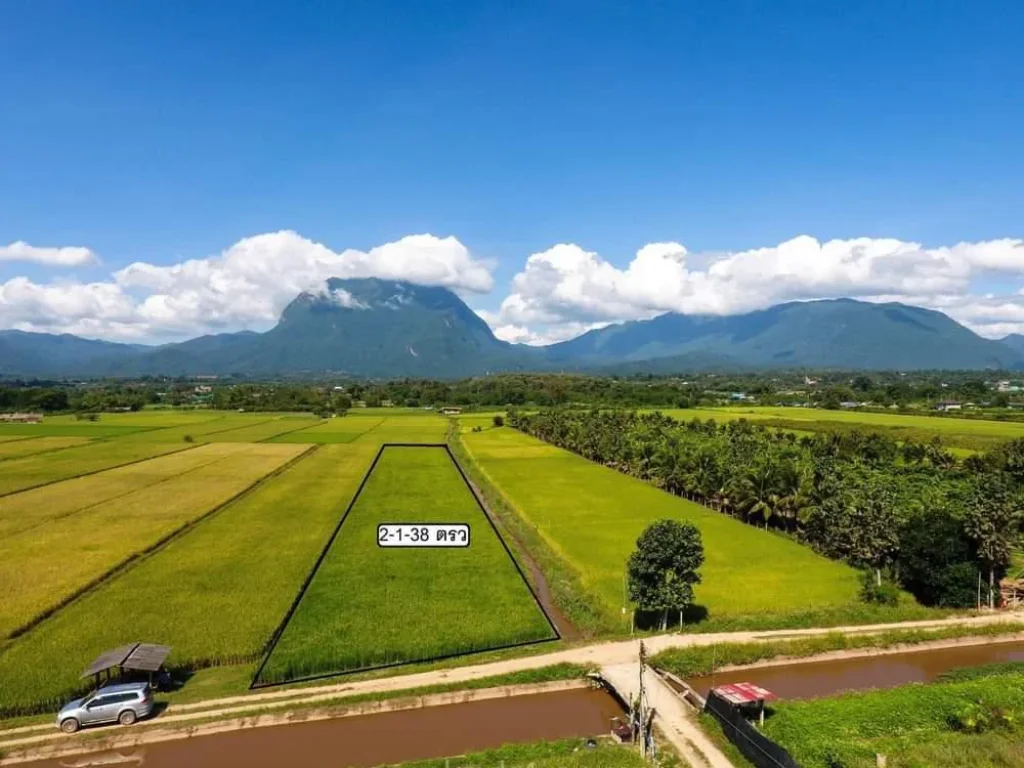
<point>370,740</point>
<point>814,679</point>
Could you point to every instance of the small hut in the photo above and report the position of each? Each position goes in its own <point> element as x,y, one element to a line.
<point>134,657</point>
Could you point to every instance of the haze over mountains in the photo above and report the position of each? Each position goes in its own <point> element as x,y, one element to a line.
<point>383,328</point>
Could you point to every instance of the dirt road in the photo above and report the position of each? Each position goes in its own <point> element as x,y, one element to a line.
<point>597,655</point>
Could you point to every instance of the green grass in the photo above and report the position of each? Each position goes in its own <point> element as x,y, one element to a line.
<point>591,516</point>
<point>27,447</point>
<point>699,661</point>
<point>261,432</point>
<point>215,594</point>
<point>381,426</point>
<point>32,471</point>
<point>202,431</point>
<point>908,724</point>
<point>407,429</point>
<point>369,606</point>
<point>71,429</point>
<point>147,417</point>
<point>42,566</point>
<point>342,429</point>
<point>568,753</point>
<point>964,434</point>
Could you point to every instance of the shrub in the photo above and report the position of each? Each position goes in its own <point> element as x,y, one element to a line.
<point>871,591</point>
<point>478,429</point>
<point>499,421</point>
<point>979,717</point>
<point>188,439</point>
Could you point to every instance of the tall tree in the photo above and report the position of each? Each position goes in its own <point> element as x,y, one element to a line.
<point>876,526</point>
<point>663,568</point>
<point>992,520</point>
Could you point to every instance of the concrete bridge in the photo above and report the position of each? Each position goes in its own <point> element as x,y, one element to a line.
<point>675,718</point>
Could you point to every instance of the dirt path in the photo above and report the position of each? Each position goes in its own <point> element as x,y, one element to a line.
<point>566,630</point>
<point>596,655</point>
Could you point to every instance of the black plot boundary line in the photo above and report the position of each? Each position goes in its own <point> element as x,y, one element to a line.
<point>279,632</point>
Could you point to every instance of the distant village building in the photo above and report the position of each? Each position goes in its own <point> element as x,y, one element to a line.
<point>203,389</point>
<point>451,411</point>
<point>850,404</point>
<point>21,418</point>
<point>738,396</point>
<point>387,404</point>
<point>811,382</point>
<point>948,405</point>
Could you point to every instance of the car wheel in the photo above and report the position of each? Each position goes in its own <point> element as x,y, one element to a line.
<point>127,717</point>
<point>70,725</point>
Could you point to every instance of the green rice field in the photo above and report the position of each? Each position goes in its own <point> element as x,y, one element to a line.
<point>28,446</point>
<point>42,565</point>
<point>215,595</point>
<point>965,434</point>
<point>369,606</point>
<point>591,517</point>
<point>198,529</point>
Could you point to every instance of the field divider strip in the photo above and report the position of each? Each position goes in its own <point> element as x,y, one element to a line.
<point>290,431</point>
<point>276,637</point>
<point>147,486</point>
<point>226,429</point>
<point>504,544</point>
<point>279,631</point>
<point>134,559</point>
<point>95,471</point>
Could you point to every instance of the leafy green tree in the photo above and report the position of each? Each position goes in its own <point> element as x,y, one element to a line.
<point>937,560</point>
<point>663,568</point>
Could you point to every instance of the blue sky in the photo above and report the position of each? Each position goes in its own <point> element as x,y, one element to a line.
<point>159,133</point>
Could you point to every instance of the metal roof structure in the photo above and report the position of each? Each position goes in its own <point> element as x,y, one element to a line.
<point>142,657</point>
<point>744,693</point>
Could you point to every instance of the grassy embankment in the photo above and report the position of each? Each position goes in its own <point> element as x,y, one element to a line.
<point>703,660</point>
<point>370,606</point>
<point>570,753</point>
<point>591,517</point>
<point>930,725</point>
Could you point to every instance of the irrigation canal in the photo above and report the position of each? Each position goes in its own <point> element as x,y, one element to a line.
<point>814,679</point>
<point>369,740</point>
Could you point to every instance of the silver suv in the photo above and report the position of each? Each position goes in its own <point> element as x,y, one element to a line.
<point>123,703</point>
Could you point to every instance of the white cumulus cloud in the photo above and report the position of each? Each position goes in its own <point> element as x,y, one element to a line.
<point>69,256</point>
<point>245,286</point>
<point>558,293</point>
<point>568,285</point>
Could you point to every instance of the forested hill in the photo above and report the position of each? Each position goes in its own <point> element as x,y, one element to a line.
<point>377,328</point>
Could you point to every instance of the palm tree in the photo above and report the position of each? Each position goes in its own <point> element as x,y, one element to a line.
<point>758,490</point>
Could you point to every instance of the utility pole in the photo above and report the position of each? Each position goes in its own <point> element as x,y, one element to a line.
<point>643,712</point>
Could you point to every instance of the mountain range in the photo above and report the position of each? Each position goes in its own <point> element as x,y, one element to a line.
<point>384,328</point>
